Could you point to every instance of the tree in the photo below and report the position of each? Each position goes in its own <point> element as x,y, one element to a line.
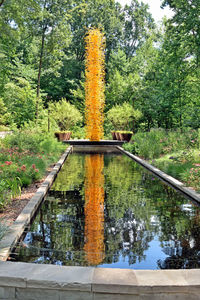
<point>19,99</point>
<point>1,2</point>
<point>185,24</point>
<point>138,23</point>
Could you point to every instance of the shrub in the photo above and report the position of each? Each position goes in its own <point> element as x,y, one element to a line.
<point>159,141</point>
<point>23,140</point>
<point>65,114</point>
<point>78,132</point>
<point>122,117</point>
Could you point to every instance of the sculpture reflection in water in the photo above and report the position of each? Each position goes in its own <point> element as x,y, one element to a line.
<point>94,209</point>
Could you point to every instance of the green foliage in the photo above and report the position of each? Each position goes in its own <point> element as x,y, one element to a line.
<point>9,188</point>
<point>156,70</point>
<point>79,132</point>
<point>24,157</point>
<point>65,114</point>
<point>71,175</point>
<point>4,128</point>
<point>159,141</point>
<point>19,99</point>
<point>122,117</point>
<point>4,115</point>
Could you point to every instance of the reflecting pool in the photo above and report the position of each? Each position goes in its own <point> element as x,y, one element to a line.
<point>105,210</point>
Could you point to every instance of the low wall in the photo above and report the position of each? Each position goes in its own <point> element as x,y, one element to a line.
<point>24,281</point>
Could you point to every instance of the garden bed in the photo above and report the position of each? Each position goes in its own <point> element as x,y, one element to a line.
<point>15,207</point>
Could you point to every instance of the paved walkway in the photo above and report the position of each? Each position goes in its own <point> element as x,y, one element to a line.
<point>4,133</point>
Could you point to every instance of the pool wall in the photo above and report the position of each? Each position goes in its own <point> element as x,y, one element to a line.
<point>37,282</point>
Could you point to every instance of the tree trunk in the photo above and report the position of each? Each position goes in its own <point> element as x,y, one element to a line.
<point>1,2</point>
<point>39,73</point>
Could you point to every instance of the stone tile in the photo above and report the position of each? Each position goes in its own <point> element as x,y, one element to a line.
<point>14,274</point>
<point>36,294</point>
<point>7,292</point>
<point>75,295</point>
<point>192,276</point>
<point>7,298</point>
<point>170,296</point>
<point>102,296</point>
<point>114,281</point>
<point>9,241</point>
<point>60,277</point>
<point>161,280</point>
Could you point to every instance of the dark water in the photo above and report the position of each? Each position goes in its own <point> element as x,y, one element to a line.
<point>107,211</point>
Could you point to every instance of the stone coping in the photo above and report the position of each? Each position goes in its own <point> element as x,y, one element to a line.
<point>167,178</point>
<point>95,143</point>
<point>98,280</point>
<point>16,230</point>
<point>96,149</point>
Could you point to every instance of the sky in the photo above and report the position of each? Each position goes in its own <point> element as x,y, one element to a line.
<point>155,9</point>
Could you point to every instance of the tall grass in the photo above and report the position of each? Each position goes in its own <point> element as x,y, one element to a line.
<point>24,157</point>
<point>158,142</point>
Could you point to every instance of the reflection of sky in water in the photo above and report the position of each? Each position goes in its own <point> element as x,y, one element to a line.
<point>109,212</point>
<point>149,262</point>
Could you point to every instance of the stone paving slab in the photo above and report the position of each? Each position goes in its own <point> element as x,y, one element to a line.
<point>50,277</point>
<point>114,281</point>
<point>61,277</point>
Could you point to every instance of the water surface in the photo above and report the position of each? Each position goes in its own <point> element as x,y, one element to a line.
<point>105,210</point>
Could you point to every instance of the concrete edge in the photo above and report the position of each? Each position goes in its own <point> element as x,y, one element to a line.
<point>167,178</point>
<point>17,229</point>
<point>98,280</point>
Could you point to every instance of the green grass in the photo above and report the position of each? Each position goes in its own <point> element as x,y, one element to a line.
<point>184,166</point>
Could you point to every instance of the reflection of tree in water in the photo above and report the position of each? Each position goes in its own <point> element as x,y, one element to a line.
<point>127,236</point>
<point>71,175</point>
<point>56,236</point>
<point>136,208</point>
<point>94,209</point>
<point>180,228</point>
<point>127,212</point>
<point>180,238</point>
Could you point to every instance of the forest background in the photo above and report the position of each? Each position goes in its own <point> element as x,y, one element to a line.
<point>154,68</point>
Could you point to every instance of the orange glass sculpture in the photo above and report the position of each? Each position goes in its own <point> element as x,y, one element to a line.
<point>94,84</point>
<point>94,209</point>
